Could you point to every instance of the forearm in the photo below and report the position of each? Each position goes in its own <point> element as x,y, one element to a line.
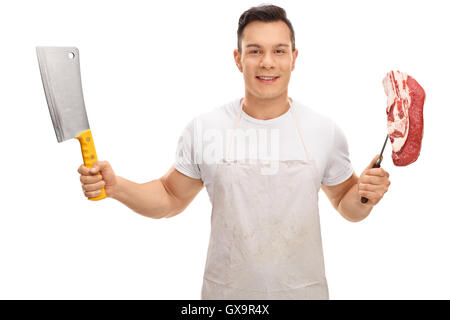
<point>351,206</point>
<point>149,199</point>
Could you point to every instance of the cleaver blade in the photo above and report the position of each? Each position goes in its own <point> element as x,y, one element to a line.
<point>60,73</point>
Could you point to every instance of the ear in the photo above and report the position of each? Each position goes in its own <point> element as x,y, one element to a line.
<point>237,59</point>
<point>294,58</point>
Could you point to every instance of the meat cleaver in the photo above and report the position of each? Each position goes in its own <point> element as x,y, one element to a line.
<point>60,73</point>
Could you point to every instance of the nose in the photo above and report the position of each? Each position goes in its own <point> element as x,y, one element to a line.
<point>267,61</point>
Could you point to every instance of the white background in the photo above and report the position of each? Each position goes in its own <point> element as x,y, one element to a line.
<point>147,69</point>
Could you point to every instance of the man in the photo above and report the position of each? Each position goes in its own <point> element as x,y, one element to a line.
<point>265,233</point>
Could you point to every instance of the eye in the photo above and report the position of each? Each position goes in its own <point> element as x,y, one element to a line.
<point>279,51</point>
<point>254,51</point>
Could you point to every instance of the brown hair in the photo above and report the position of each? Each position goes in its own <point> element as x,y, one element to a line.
<point>265,13</point>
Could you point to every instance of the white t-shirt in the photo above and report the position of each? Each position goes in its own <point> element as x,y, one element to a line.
<point>206,139</point>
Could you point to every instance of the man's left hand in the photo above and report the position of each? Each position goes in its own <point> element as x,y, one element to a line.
<point>373,183</point>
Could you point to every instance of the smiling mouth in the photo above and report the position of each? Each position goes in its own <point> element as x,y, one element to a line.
<point>267,79</point>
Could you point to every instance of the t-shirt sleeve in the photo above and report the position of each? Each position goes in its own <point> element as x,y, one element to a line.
<point>339,167</point>
<point>186,155</point>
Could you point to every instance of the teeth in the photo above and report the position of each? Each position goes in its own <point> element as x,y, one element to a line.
<point>266,78</point>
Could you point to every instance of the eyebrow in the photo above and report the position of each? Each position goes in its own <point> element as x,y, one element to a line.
<point>258,46</point>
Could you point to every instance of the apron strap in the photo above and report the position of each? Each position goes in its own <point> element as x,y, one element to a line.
<point>300,131</point>
<point>236,122</point>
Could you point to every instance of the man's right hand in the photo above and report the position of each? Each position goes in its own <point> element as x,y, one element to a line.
<point>94,179</point>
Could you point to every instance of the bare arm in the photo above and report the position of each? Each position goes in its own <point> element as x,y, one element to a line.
<point>346,196</point>
<point>161,198</point>
<point>346,200</point>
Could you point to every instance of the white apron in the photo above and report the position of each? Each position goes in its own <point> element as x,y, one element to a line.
<point>265,231</point>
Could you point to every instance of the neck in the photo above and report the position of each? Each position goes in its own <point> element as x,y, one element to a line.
<point>265,109</point>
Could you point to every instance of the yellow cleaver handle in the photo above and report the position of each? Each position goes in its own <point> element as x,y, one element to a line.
<point>89,155</point>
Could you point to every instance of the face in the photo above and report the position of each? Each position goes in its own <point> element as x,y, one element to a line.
<point>267,59</point>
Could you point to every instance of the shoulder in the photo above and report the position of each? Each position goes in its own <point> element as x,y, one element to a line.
<point>314,122</point>
<point>218,117</point>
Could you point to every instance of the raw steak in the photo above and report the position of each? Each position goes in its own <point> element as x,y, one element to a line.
<point>405,99</point>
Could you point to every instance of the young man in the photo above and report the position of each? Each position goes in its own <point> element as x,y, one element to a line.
<point>265,234</point>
